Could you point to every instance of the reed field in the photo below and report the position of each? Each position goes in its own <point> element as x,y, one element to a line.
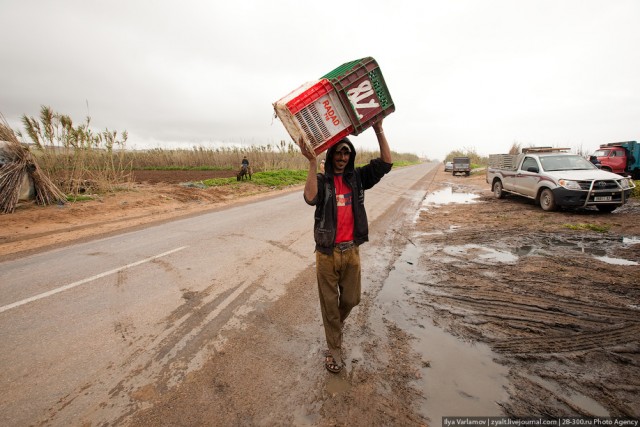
<point>76,158</point>
<point>80,160</point>
<point>262,158</point>
<point>99,170</point>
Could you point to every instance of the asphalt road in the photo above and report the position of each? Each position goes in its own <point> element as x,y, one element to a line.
<point>80,326</point>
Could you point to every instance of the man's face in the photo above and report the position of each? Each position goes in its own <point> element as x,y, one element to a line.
<point>340,160</point>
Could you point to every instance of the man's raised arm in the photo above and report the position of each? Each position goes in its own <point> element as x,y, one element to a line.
<point>311,186</point>
<point>385,151</point>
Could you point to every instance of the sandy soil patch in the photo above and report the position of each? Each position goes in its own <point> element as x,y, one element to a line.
<point>154,196</point>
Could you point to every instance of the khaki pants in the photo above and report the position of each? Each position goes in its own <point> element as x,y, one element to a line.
<point>339,289</point>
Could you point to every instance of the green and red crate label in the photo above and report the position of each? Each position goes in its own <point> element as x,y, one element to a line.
<point>344,102</point>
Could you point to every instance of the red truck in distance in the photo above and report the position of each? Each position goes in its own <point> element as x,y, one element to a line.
<point>622,158</point>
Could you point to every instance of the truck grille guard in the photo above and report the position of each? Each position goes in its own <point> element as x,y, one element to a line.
<point>609,185</point>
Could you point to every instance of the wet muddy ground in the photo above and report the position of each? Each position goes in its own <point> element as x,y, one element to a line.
<point>471,306</point>
<point>553,298</point>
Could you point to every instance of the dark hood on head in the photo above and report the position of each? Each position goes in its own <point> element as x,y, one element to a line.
<point>328,165</point>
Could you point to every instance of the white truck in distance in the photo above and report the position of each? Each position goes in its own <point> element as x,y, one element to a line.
<point>555,178</point>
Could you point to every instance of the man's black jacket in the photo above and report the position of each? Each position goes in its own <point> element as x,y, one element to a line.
<point>359,179</point>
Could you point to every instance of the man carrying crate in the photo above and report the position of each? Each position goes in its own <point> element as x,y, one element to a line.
<point>340,228</point>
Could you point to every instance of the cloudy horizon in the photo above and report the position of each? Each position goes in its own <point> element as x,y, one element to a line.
<point>463,74</point>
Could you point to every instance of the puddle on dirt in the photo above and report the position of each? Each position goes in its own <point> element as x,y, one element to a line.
<point>444,197</point>
<point>631,240</point>
<point>487,255</point>
<point>615,261</point>
<point>579,400</point>
<point>447,196</point>
<point>481,254</point>
<point>585,246</point>
<point>545,247</point>
<point>336,385</point>
<point>588,246</point>
<point>461,377</point>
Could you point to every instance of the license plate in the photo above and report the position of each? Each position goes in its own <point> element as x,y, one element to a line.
<point>602,199</point>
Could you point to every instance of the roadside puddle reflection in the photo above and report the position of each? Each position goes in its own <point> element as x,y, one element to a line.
<point>444,197</point>
<point>481,254</point>
<point>615,261</point>
<point>447,196</point>
<point>589,246</point>
<point>456,376</point>
<point>336,384</point>
<point>545,247</point>
<point>577,399</point>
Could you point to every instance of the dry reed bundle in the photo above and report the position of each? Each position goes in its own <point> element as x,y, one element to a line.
<point>22,161</point>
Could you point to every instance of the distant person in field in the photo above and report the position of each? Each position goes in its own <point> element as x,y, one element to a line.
<point>340,227</point>
<point>245,164</point>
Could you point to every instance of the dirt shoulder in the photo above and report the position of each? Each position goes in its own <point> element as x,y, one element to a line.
<point>153,197</point>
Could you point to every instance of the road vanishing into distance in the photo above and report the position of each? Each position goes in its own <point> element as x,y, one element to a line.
<point>85,328</point>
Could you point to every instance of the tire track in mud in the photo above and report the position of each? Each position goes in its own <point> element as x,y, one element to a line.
<point>579,331</point>
<point>581,341</point>
<point>566,324</point>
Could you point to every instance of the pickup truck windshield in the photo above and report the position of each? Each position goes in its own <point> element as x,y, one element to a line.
<point>565,163</point>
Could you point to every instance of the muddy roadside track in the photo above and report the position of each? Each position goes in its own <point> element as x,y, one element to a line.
<point>542,308</point>
<point>555,296</point>
<point>485,307</point>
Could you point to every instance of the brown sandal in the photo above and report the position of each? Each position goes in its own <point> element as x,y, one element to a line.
<point>330,363</point>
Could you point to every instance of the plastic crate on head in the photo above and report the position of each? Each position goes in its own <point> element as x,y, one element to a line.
<point>363,92</point>
<point>344,102</point>
<point>314,115</point>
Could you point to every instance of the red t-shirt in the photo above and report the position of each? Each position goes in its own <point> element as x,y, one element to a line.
<point>344,199</point>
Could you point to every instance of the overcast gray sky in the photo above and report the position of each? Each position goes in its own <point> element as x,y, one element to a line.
<point>462,73</point>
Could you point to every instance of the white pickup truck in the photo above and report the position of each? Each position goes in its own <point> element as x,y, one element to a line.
<point>555,178</point>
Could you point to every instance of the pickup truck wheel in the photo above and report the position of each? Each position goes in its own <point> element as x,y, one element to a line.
<point>547,201</point>
<point>497,190</point>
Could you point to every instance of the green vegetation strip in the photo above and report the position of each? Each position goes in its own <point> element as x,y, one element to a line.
<point>402,163</point>
<point>72,198</point>
<point>185,168</point>
<point>279,178</point>
<point>592,227</point>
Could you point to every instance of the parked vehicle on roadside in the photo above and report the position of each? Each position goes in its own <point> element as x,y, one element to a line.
<point>461,165</point>
<point>555,178</point>
<point>620,158</point>
<point>448,167</point>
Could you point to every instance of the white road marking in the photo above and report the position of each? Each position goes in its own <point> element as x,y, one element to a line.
<point>83,281</point>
